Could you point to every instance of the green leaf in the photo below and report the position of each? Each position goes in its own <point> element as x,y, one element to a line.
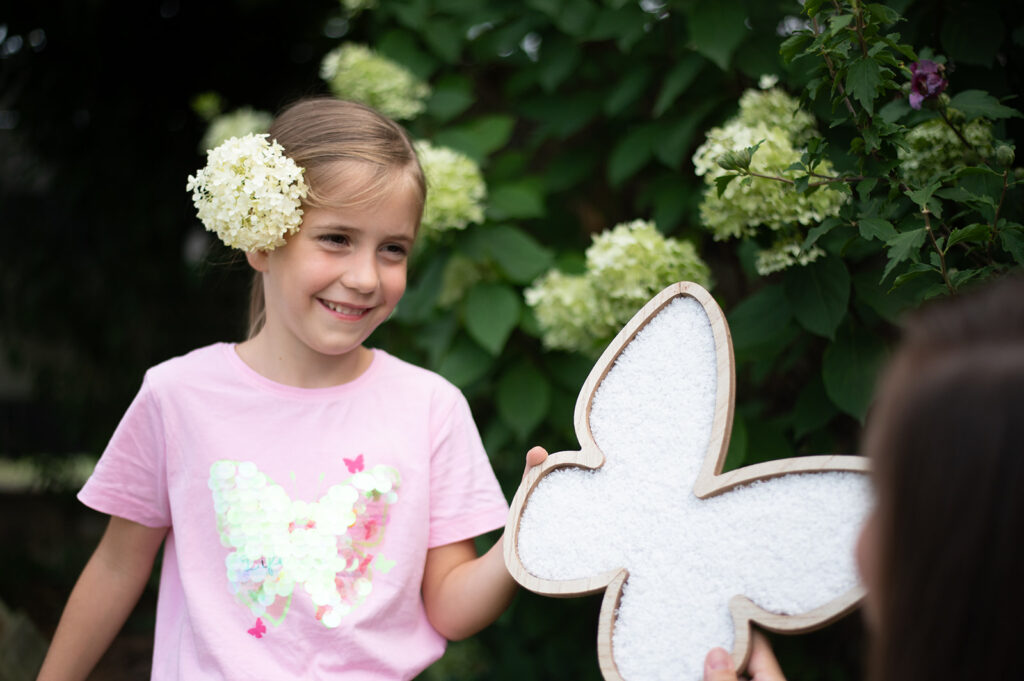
<point>680,77</point>
<point>717,29</point>
<point>875,228</point>
<point>559,58</point>
<point>762,323</point>
<point>522,199</point>
<point>839,22</point>
<point>673,146</point>
<point>737,453</point>
<point>421,295</point>
<point>1013,243</point>
<point>722,181</point>
<point>491,312</point>
<point>818,231</point>
<point>976,233</point>
<point>862,79</point>
<point>631,153</point>
<point>793,46</point>
<point>445,38</point>
<point>766,441</point>
<point>403,47</point>
<point>465,363</point>
<point>887,303</point>
<point>523,398</point>
<point>923,195</point>
<point>903,246</point>
<point>478,138</point>
<point>519,256</point>
<point>813,409</point>
<point>884,15</point>
<point>628,90</point>
<point>818,294</point>
<point>980,104</point>
<point>849,369</point>
<point>450,96</point>
<point>435,338</point>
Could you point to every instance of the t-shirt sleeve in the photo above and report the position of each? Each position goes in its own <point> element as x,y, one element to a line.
<point>129,480</point>
<point>465,497</point>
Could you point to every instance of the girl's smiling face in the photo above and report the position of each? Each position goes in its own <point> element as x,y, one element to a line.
<point>338,277</point>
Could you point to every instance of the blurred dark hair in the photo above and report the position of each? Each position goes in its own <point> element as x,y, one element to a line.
<point>946,438</point>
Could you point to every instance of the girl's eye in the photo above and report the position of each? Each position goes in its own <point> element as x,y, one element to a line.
<point>395,250</point>
<point>335,239</point>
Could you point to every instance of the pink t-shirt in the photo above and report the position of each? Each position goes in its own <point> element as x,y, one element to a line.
<point>300,518</point>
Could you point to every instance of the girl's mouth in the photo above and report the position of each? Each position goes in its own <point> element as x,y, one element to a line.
<point>344,310</point>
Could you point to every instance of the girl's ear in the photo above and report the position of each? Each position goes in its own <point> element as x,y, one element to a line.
<point>257,260</point>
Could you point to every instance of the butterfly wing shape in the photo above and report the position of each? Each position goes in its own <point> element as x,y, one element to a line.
<point>279,545</point>
<point>687,556</point>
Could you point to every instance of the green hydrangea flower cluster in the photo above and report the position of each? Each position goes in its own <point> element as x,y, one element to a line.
<point>932,148</point>
<point>455,189</point>
<point>745,208</point>
<point>782,255</point>
<point>357,6</point>
<point>237,123</point>
<point>625,267</point>
<point>356,72</point>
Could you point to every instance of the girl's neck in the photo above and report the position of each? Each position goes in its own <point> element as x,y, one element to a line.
<point>312,370</point>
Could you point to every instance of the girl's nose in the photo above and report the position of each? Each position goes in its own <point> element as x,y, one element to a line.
<point>360,273</point>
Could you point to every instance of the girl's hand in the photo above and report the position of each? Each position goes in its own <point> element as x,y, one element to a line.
<point>535,457</point>
<point>762,666</point>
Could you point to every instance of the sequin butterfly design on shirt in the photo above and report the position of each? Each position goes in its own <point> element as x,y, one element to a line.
<point>324,547</point>
<point>688,556</point>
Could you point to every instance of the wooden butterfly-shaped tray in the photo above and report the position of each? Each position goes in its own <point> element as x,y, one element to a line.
<point>669,368</point>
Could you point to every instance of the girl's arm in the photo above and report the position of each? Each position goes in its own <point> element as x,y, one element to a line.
<point>463,593</point>
<point>104,595</point>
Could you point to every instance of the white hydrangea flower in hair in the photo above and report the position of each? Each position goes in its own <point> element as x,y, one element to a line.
<point>356,72</point>
<point>237,123</point>
<point>249,193</point>
<point>455,189</point>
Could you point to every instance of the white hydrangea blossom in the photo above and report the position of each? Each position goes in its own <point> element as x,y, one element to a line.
<point>565,305</point>
<point>625,266</point>
<point>249,193</point>
<point>783,255</point>
<point>356,6</point>
<point>932,148</point>
<point>238,123</point>
<point>746,207</point>
<point>355,72</point>
<point>455,189</point>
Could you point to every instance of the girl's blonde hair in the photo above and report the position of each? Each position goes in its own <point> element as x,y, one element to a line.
<point>330,138</point>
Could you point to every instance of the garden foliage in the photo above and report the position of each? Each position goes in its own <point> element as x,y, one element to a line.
<point>822,168</point>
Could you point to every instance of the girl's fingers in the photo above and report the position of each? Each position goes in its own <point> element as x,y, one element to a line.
<point>535,457</point>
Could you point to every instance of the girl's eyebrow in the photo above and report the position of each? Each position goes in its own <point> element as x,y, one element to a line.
<point>341,227</point>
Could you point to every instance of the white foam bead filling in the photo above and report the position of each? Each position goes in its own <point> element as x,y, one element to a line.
<point>786,543</point>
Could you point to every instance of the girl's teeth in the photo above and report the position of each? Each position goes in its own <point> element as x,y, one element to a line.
<point>340,309</point>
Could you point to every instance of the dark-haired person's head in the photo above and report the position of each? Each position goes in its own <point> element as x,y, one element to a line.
<point>942,556</point>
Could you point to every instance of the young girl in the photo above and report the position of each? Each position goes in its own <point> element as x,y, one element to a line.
<point>317,500</point>
<point>941,556</point>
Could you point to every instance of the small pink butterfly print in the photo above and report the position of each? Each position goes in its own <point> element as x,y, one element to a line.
<point>259,629</point>
<point>354,465</point>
